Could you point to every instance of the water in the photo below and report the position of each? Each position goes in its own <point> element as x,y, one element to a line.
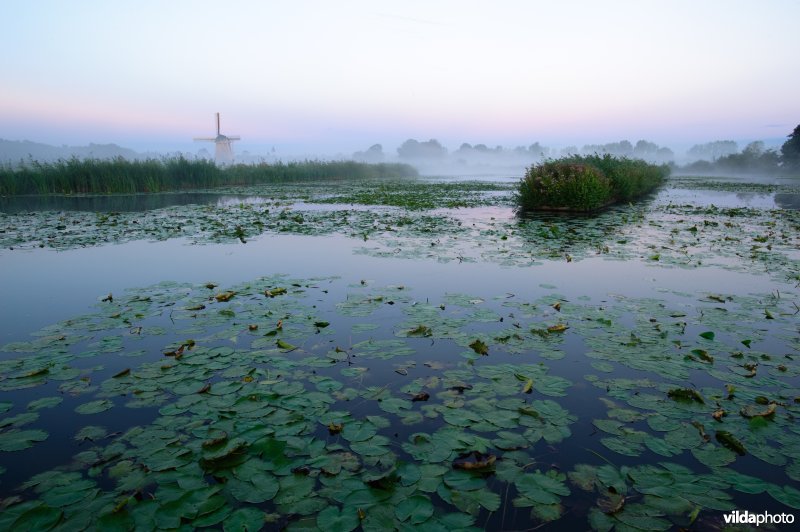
<point>624,309</point>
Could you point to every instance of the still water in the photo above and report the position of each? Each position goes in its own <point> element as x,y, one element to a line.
<point>561,370</point>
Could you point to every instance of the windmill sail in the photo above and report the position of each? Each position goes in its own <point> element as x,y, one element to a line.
<point>223,153</point>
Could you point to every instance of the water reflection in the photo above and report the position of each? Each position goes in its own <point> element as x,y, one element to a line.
<point>788,201</point>
<point>722,199</point>
<point>121,202</point>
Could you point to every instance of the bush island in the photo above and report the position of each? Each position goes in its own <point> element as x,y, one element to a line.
<point>96,176</point>
<point>587,183</point>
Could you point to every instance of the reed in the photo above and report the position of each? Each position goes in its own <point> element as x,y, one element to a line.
<point>587,183</point>
<point>123,176</point>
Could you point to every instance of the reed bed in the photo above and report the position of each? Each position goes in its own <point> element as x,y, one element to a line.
<point>587,183</point>
<point>123,176</point>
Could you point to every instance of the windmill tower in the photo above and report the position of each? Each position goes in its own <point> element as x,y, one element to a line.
<point>223,154</point>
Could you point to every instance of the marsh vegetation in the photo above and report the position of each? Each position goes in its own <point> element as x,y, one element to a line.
<point>587,183</point>
<point>409,354</point>
<point>123,176</point>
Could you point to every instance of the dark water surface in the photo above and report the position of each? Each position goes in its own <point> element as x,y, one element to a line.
<point>578,421</point>
<point>116,202</point>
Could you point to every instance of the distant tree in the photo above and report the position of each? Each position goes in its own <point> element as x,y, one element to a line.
<point>665,154</point>
<point>569,150</point>
<point>537,150</point>
<point>622,148</point>
<point>790,151</point>
<point>754,149</point>
<point>711,151</point>
<point>413,149</point>
<point>645,149</point>
<point>373,154</point>
<point>753,158</point>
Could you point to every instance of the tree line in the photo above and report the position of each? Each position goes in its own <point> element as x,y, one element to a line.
<point>716,156</point>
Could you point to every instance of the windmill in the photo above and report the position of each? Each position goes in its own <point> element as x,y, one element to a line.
<point>223,154</point>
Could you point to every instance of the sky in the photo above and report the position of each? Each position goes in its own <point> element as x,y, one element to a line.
<point>313,76</point>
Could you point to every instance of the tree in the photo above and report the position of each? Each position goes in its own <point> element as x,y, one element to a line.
<point>712,151</point>
<point>790,151</point>
<point>374,154</point>
<point>413,149</point>
<point>645,149</point>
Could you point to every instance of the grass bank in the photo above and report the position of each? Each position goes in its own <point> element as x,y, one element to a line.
<point>587,183</point>
<point>115,176</point>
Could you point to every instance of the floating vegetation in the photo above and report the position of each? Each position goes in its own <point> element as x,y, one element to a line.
<point>681,235</point>
<point>297,425</point>
<point>284,402</point>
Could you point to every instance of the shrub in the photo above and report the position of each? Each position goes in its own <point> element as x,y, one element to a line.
<point>564,185</point>
<point>587,183</point>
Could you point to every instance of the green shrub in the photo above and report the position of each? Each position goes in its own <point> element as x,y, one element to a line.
<point>564,185</point>
<point>587,183</point>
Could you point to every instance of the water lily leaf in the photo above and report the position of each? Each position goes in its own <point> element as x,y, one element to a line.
<point>257,489</point>
<point>643,522</point>
<point>479,347</point>
<point>94,407</point>
<point>788,495</point>
<point>282,344</point>
<point>751,412</point>
<point>456,521</point>
<point>116,521</point>
<point>331,518</point>
<point>17,440</point>
<point>474,461</point>
<point>727,439</point>
<point>415,510</point>
<point>543,488</point>
<point>528,386</point>
<point>374,446</point>
<point>714,456</point>
<point>471,501</point>
<point>626,447</point>
<point>661,447</point>
<point>244,520</point>
<point>19,420</point>
<point>663,424</point>
<point>38,518</point>
<point>62,496</point>
<point>378,519</point>
<point>422,331</point>
<point>708,335</point>
<point>219,450</point>
<point>359,431</point>
<point>463,481</point>
<point>741,482</point>
<point>44,402</point>
<point>366,498</point>
<point>294,488</point>
<point>685,394</point>
<point>224,296</point>
<point>91,433</point>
